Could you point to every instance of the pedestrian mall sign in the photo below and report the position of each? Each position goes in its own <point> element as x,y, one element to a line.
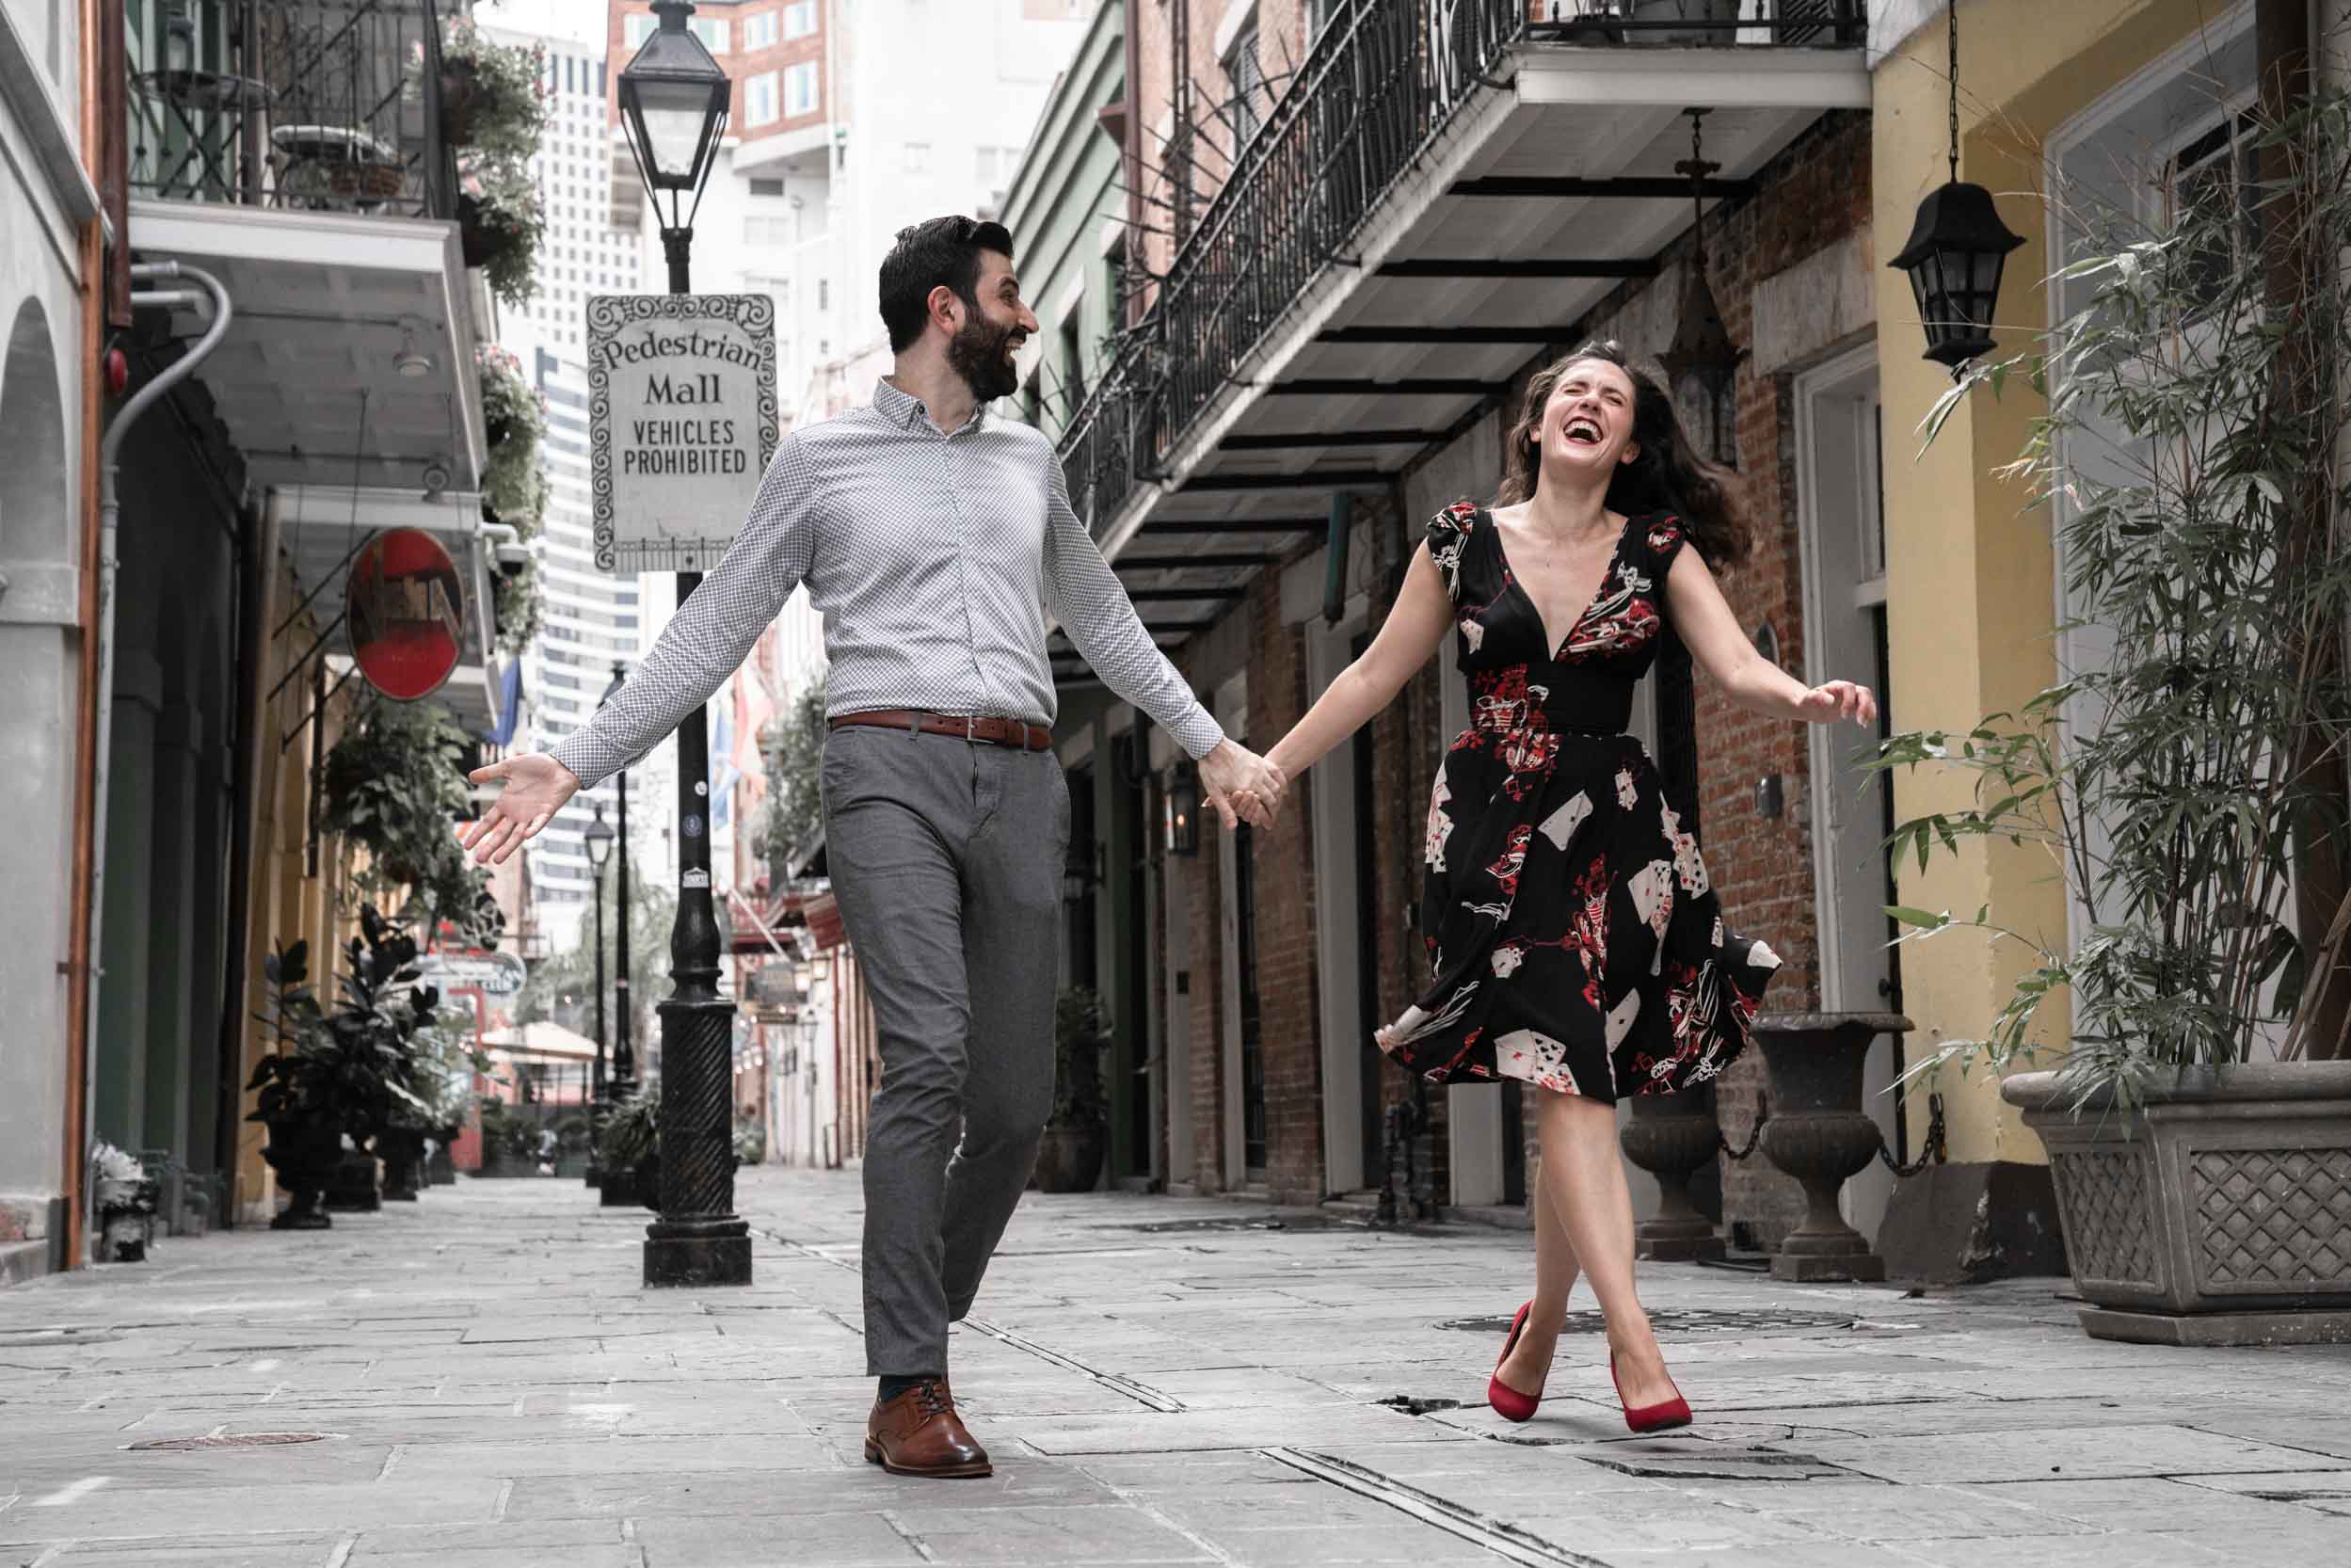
<point>681,421</point>
<point>495,974</point>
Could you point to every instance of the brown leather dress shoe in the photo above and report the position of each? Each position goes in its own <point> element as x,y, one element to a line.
<point>919,1433</point>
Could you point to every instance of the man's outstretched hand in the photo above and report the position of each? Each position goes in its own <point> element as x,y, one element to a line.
<point>537,787</point>
<point>1242,784</point>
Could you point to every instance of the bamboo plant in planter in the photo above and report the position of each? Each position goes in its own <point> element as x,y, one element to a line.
<point>2186,781</point>
<point>1069,1160</point>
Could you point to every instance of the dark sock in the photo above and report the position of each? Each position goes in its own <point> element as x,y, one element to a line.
<point>892,1387</point>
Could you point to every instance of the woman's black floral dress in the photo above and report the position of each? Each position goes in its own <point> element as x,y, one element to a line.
<point>1576,942</point>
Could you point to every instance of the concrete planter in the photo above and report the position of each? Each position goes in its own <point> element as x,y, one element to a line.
<point>2218,1213</point>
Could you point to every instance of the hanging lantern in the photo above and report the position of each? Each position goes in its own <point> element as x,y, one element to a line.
<point>1183,812</point>
<point>1957,248</point>
<point>1702,362</point>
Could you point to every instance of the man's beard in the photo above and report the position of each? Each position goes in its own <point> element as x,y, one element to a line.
<point>981,354</point>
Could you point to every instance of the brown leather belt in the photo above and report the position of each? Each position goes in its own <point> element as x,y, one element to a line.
<point>1018,733</point>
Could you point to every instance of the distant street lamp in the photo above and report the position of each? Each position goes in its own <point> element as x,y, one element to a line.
<point>600,848</point>
<point>673,108</point>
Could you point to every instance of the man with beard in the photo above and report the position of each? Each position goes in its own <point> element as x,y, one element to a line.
<point>931,534</point>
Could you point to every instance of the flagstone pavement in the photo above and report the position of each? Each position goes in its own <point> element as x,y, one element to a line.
<point>481,1382</point>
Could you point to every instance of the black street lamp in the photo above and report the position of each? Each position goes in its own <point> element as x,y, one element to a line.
<point>1957,248</point>
<point>600,848</point>
<point>673,109</point>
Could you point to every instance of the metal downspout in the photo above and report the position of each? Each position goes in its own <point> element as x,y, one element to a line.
<point>110,514</point>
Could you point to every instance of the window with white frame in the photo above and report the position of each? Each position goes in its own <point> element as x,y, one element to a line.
<point>637,29</point>
<point>711,30</point>
<point>759,30</point>
<point>759,99</point>
<point>1250,96</point>
<point>918,157</point>
<point>800,18</point>
<point>800,89</point>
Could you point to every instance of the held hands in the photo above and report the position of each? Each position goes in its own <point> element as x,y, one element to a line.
<point>1242,784</point>
<point>537,787</point>
<point>1838,699</point>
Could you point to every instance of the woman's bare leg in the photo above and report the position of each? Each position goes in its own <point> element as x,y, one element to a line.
<point>1584,1177</point>
<point>1529,1364</point>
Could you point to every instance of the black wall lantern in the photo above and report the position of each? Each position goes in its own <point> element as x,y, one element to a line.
<point>1183,810</point>
<point>1957,248</point>
<point>1704,362</point>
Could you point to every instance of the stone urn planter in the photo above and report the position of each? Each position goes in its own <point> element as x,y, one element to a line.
<point>1820,1133</point>
<point>2219,1212</point>
<point>1070,1159</point>
<point>402,1151</point>
<point>353,1188</point>
<point>1672,1137</point>
<point>304,1151</point>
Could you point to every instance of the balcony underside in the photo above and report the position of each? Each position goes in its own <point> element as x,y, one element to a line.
<point>1541,198</point>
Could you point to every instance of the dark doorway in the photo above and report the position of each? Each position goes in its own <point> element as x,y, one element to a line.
<point>1253,1129</point>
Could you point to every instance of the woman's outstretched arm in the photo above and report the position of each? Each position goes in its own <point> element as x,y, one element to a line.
<point>1422,614</point>
<point>1717,646</point>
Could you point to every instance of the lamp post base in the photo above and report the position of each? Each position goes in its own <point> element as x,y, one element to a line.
<point>693,1253</point>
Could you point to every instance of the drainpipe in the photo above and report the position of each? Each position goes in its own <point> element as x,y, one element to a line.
<point>110,514</point>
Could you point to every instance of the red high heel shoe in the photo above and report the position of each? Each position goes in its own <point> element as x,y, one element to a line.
<point>1662,1416</point>
<point>1508,1403</point>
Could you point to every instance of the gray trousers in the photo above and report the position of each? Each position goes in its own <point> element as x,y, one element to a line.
<point>945,857</point>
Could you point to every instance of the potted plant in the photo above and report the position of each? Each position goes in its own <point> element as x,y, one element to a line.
<point>2187,786</point>
<point>492,103</point>
<point>500,222</point>
<point>631,1151</point>
<point>509,1141</point>
<point>394,784</point>
<point>1069,1157</point>
<point>337,1074</point>
<point>514,417</point>
<point>125,1195</point>
<point>441,1068</point>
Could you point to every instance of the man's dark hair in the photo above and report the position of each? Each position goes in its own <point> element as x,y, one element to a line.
<point>941,250</point>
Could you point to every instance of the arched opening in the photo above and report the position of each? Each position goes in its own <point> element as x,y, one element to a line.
<point>36,492</point>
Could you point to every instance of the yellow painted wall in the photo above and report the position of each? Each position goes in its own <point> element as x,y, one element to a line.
<point>1970,592</point>
<point>287,904</point>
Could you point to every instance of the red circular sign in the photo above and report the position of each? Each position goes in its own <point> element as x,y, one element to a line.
<point>407,614</point>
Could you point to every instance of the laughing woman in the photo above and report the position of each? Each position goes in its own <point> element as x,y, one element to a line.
<point>1575,941</point>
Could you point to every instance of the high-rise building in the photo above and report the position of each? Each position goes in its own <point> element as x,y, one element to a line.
<point>589,617</point>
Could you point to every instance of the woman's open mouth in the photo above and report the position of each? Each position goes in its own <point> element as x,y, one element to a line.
<point>1583,430</point>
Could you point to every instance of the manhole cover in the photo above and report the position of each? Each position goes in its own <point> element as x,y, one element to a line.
<point>1669,1322</point>
<point>230,1440</point>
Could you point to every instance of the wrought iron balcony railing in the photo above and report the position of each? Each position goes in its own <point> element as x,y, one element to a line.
<point>331,106</point>
<point>1383,81</point>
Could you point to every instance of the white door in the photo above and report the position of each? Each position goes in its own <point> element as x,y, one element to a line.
<point>1841,526</point>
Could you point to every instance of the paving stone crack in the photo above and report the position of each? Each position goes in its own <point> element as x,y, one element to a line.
<point>1508,1541</point>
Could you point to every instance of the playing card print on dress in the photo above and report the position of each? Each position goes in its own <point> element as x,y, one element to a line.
<point>1577,940</point>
